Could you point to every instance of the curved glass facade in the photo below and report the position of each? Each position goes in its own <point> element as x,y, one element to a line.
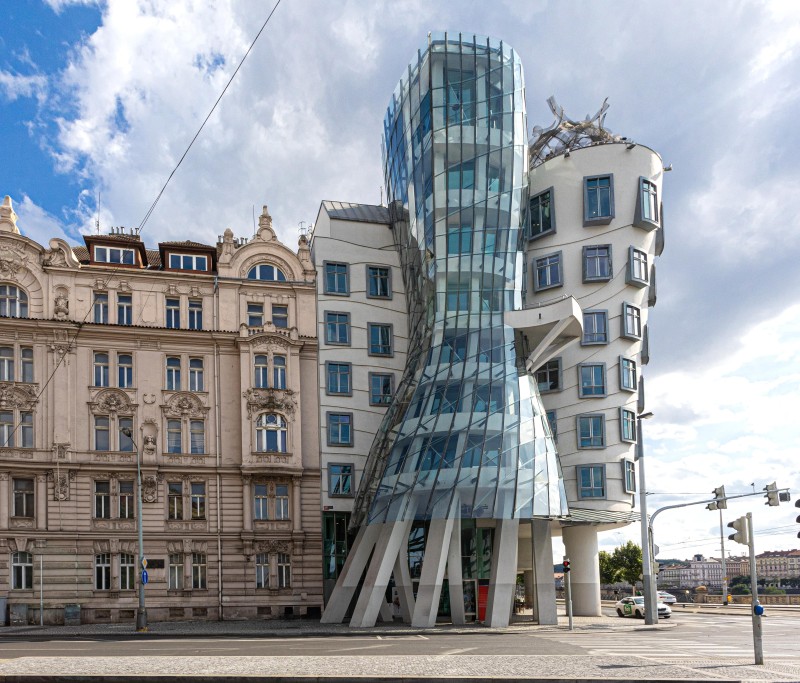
<point>466,435</point>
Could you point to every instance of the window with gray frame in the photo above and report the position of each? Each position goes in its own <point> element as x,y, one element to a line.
<point>380,339</point>
<point>637,271</point>
<point>646,213</point>
<point>628,374</point>
<point>459,238</point>
<point>381,388</point>
<point>340,480</point>
<point>598,200</point>
<point>629,471</point>
<point>173,310</point>
<point>548,376</point>
<point>255,314</point>
<point>337,328</point>
<point>280,316</point>
<point>595,328</point>
<point>591,431</point>
<point>102,572</point>
<point>101,308</point>
<point>23,498</point>
<point>21,571</point>
<point>547,272</point>
<point>195,314</point>
<point>541,214</point>
<point>339,378</point>
<point>631,321</point>
<point>340,429</point>
<point>552,420</point>
<point>124,309</point>
<point>337,278</point>
<point>597,265</point>
<point>199,571</point>
<point>379,282</point>
<point>592,380</point>
<point>627,425</point>
<point>592,481</point>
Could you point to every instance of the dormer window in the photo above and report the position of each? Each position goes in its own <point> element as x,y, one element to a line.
<point>114,255</point>
<point>188,262</point>
<point>266,271</point>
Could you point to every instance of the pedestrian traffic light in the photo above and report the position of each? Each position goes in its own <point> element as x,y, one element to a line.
<point>721,501</point>
<point>741,530</point>
<point>772,495</point>
<point>566,566</point>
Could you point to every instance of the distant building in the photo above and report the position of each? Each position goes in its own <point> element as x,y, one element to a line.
<point>778,564</point>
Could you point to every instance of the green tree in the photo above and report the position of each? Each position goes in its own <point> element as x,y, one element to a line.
<point>627,559</point>
<point>608,572</point>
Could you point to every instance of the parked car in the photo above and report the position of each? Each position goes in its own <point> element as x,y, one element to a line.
<point>667,598</point>
<point>634,607</point>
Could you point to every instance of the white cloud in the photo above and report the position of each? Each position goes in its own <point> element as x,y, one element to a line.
<point>36,223</point>
<point>14,86</point>
<point>59,5</point>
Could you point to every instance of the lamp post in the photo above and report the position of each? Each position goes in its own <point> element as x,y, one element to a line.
<point>648,584</point>
<point>141,613</point>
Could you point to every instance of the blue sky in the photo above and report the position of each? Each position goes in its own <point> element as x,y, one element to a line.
<point>103,97</point>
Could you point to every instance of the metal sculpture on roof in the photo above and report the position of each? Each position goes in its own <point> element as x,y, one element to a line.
<point>566,134</point>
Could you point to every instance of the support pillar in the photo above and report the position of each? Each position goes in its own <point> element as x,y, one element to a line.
<point>41,501</point>
<point>504,573</point>
<point>581,547</point>
<point>247,504</point>
<point>4,484</point>
<point>430,582</point>
<point>402,581</point>
<point>297,512</point>
<point>543,587</point>
<point>455,579</point>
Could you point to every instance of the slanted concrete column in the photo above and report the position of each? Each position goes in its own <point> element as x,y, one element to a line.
<point>455,578</point>
<point>543,587</point>
<point>402,581</point>
<point>504,573</point>
<point>580,543</point>
<point>437,545</point>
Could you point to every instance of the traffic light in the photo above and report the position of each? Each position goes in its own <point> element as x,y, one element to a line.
<point>772,495</point>
<point>741,530</point>
<point>566,566</point>
<point>797,505</point>
<point>719,494</point>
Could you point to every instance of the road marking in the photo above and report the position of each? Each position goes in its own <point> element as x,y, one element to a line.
<point>366,647</point>
<point>457,652</point>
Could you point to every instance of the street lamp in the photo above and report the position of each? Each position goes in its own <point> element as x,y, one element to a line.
<point>141,613</point>
<point>648,583</point>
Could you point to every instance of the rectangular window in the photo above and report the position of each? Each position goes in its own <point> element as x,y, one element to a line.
<point>631,321</point>
<point>187,262</point>
<point>340,480</point>
<point>102,499</point>
<point>381,388</point>
<point>646,214</point>
<point>637,273</point>
<point>460,96</point>
<point>175,577</point>
<point>23,498</point>
<point>127,571</point>
<point>175,500</point>
<point>261,372</point>
<point>101,369</point>
<point>339,378</point>
<point>597,263</point>
<point>199,570</point>
<point>284,571</point>
<point>21,571</point>
<point>628,374</point>
<point>114,255</point>
<point>173,436</point>
<point>340,429</point>
<point>260,502</point>
<point>26,359</point>
<point>102,572</point>
<point>198,500</point>
<point>173,373</point>
<point>337,280</point>
<point>595,327</point>
<point>125,499</point>
<point>380,339</point>
<point>454,347</point>
<point>124,370</point>
<point>547,272</point>
<point>591,431</point>
<point>461,176</point>
<point>630,476</point>
<point>457,297</point>
<point>281,501</point>
<point>195,314</point>
<point>591,481</point>
<point>552,421</point>
<point>280,316</point>
<point>279,372</point>
<point>459,239</point>
<point>101,433</point>
<point>548,377</point>
<point>262,570</point>
<point>7,364</point>
<point>125,442</point>
<point>592,380</point>
<point>541,212</point>
<point>598,200</point>
<point>379,282</point>
<point>124,309</point>
<point>627,425</point>
<point>101,307</point>
<point>255,315</point>
<point>196,382</point>
<point>7,428</point>
<point>337,328</point>
<point>197,436</point>
<point>173,308</point>
<point>26,430</point>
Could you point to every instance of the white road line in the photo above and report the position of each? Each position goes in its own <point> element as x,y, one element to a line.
<point>366,647</point>
<point>457,652</point>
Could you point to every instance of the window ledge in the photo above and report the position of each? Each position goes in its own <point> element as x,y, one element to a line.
<point>591,222</point>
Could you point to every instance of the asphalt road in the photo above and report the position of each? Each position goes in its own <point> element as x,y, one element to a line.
<point>696,635</point>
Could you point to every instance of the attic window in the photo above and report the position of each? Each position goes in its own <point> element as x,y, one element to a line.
<point>188,262</point>
<point>114,255</point>
<point>266,272</point>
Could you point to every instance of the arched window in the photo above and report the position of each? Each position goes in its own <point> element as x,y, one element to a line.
<point>265,271</point>
<point>270,433</point>
<point>13,302</point>
<point>279,372</point>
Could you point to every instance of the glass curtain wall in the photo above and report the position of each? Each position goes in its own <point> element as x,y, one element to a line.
<point>466,435</point>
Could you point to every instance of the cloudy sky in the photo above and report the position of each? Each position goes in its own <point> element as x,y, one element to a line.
<point>103,98</point>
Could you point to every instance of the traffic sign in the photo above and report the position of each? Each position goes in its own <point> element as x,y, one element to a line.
<point>144,563</point>
<point>144,576</point>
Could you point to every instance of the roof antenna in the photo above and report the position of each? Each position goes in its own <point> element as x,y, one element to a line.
<point>97,218</point>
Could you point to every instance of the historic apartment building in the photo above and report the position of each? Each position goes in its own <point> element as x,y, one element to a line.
<point>203,355</point>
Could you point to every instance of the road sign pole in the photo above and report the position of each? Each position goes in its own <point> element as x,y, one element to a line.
<point>724,569</point>
<point>758,644</point>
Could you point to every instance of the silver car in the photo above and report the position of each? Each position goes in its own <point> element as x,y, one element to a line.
<point>634,607</point>
<point>667,598</point>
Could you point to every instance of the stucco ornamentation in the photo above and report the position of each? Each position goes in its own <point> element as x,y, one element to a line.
<point>270,400</point>
<point>184,404</point>
<point>12,259</point>
<point>272,547</point>
<point>61,306</point>
<point>149,489</point>
<point>61,483</point>
<point>18,396</point>
<point>112,401</point>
